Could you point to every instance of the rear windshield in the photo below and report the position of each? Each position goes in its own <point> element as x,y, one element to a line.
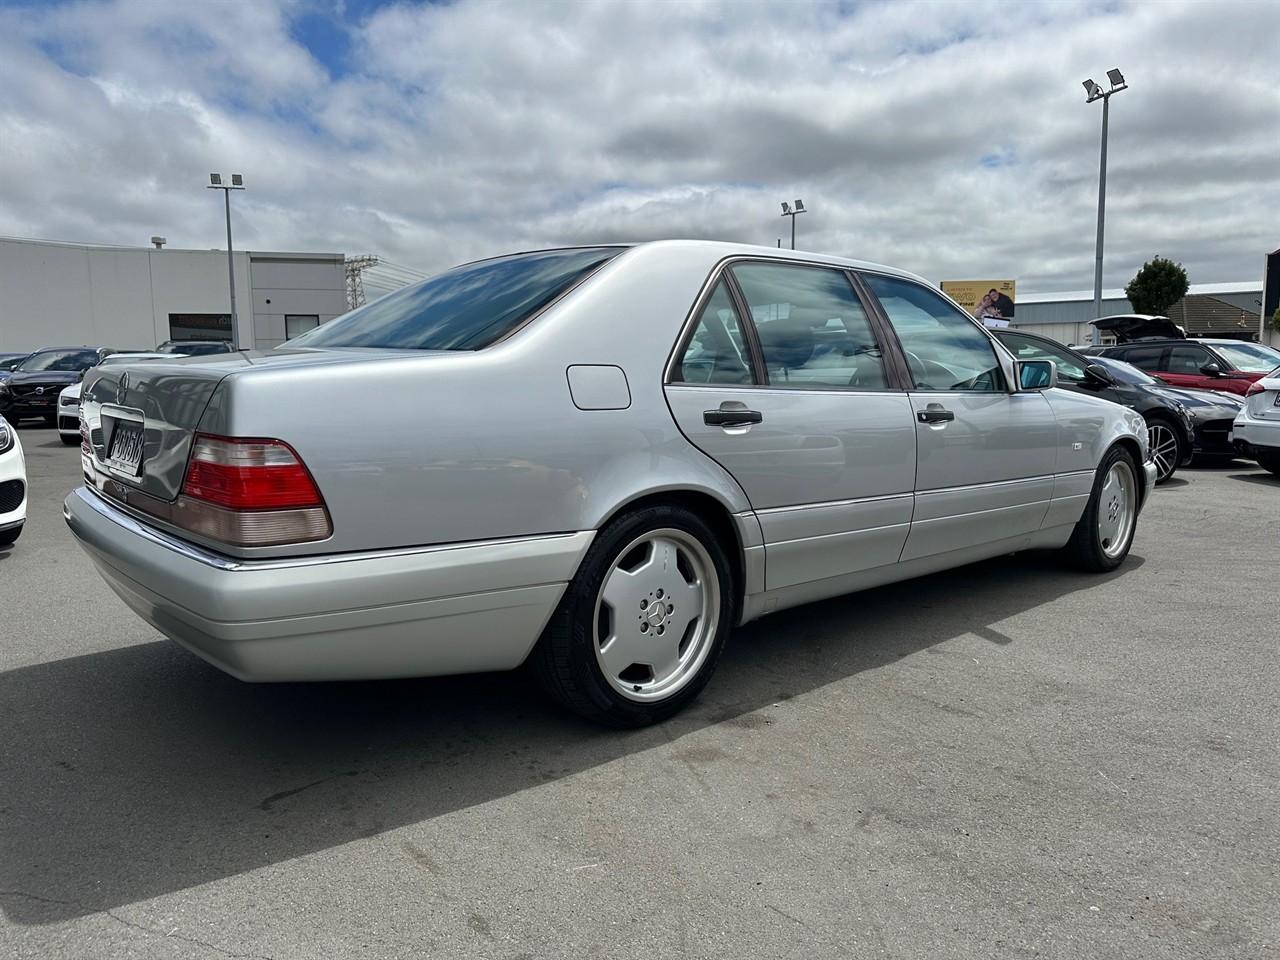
<point>465,309</point>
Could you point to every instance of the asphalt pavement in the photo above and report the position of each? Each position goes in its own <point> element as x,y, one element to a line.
<point>1008,760</point>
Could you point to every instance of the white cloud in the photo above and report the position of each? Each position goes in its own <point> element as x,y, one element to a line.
<point>468,129</point>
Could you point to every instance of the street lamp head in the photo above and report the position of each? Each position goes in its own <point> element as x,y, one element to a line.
<point>237,180</point>
<point>1094,90</point>
<point>215,179</point>
<point>799,206</point>
<point>1116,77</point>
<point>786,208</point>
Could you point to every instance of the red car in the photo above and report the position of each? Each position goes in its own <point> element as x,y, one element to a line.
<point>1158,346</point>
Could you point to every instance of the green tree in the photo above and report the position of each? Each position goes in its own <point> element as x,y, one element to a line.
<point>1157,286</point>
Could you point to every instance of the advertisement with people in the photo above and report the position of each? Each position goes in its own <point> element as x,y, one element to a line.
<point>990,301</point>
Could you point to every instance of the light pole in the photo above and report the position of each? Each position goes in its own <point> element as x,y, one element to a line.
<point>1095,92</point>
<point>789,211</point>
<point>237,183</point>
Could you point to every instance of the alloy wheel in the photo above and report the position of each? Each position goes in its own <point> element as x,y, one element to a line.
<point>1117,509</point>
<point>1164,449</point>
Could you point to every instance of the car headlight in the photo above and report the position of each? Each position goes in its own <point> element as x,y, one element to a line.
<point>6,436</point>
<point>70,401</point>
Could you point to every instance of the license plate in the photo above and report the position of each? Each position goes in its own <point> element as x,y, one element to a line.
<point>125,455</point>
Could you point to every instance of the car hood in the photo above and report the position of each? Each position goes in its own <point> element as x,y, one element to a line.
<point>1125,329</point>
<point>1204,402</point>
<point>47,377</point>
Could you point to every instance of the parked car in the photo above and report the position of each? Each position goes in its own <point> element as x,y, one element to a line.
<point>69,398</point>
<point>1175,429</point>
<point>33,387</point>
<point>10,360</point>
<point>13,485</point>
<point>1157,346</point>
<point>1256,431</point>
<point>195,348</point>
<point>1211,411</point>
<point>608,443</point>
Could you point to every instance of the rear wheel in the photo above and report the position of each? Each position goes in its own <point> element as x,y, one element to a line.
<point>639,630</point>
<point>1104,533</point>
<point>1269,461</point>
<point>1168,446</point>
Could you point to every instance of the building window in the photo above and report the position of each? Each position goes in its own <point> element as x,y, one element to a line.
<point>199,326</point>
<point>296,324</point>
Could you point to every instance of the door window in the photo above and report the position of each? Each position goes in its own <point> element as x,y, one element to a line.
<point>1187,360</point>
<point>1144,358</point>
<point>716,353</point>
<point>945,349</point>
<point>1025,348</point>
<point>814,334</point>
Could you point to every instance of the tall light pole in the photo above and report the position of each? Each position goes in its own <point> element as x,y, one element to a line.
<point>1095,92</point>
<point>793,212</point>
<point>237,183</point>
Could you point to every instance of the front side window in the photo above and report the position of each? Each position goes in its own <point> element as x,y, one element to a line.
<point>945,350</point>
<point>716,352</point>
<point>813,331</point>
<point>1187,360</point>
<point>1025,348</point>
<point>63,361</point>
<point>466,308</point>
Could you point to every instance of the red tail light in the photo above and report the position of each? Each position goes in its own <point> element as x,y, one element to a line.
<point>1255,387</point>
<point>250,492</point>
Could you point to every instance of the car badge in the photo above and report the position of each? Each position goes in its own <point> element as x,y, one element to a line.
<point>39,391</point>
<point>122,388</point>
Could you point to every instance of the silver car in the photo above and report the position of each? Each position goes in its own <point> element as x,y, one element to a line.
<point>612,455</point>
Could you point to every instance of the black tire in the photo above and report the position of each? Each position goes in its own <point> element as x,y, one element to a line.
<point>1158,421</point>
<point>9,537</point>
<point>1269,461</point>
<point>565,661</point>
<point>69,441</point>
<point>1085,549</point>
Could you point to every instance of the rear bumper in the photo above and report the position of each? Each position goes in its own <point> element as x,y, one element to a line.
<point>421,611</point>
<point>1248,434</point>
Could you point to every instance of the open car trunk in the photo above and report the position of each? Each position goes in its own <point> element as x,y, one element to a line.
<point>1136,326</point>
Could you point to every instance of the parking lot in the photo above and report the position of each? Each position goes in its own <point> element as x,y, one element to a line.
<point>1011,759</point>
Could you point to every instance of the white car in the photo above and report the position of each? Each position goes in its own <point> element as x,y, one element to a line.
<point>1256,431</point>
<point>69,398</point>
<point>13,484</point>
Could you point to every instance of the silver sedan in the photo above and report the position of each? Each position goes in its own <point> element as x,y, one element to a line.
<point>594,462</point>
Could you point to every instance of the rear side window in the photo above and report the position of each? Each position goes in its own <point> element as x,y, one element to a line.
<point>716,353</point>
<point>1144,358</point>
<point>813,331</point>
<point>466,308</point>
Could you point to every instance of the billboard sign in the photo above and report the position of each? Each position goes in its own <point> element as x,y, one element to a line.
<point>990,301</point>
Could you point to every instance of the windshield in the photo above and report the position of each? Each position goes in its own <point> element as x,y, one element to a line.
<point>1125,372</point>
<point>194,348</point>
<point>62,361</point>
<point>465,309</point>
<point>1249,357</point>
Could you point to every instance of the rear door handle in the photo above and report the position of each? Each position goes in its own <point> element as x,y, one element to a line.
<point>731,418</point>
<point>935,413</point>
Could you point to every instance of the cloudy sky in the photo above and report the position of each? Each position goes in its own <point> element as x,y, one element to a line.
<point>948,138</point>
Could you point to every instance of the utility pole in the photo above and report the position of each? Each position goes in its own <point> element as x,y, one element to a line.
<point>355,268</point>
<point>1095,92</point>
<point>237,183</point>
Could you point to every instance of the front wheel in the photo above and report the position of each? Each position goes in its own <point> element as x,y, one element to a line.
<point>1168,447</point>
<point>1104,533</point>
<point>639,630</point>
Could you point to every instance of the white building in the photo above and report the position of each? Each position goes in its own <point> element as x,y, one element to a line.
<point>133,298</point>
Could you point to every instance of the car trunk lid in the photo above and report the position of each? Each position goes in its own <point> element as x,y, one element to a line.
<point>1129,327</point>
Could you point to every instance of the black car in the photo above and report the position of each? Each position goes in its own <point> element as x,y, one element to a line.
<point>1172,426</point>
<point>33,387</point>
<point>195,348</point>
<point>10,360</point>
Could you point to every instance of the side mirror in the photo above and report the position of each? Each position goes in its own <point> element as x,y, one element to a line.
<point>1099,373</point>
<point>1035,375</point>
<point>1211,370</point>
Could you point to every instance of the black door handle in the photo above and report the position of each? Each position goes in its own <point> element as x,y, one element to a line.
<point>731,418</point>
<point>935,413</point>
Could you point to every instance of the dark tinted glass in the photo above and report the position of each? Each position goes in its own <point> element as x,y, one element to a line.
<point>64,361</point>
<point>1187,360</point>
<point>465,309</point>
<point>1125,372</point>
<point>1144,358</point>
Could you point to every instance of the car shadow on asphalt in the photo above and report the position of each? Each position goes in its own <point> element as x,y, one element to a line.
<point>1264,479</point>
<point>141,771</point>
